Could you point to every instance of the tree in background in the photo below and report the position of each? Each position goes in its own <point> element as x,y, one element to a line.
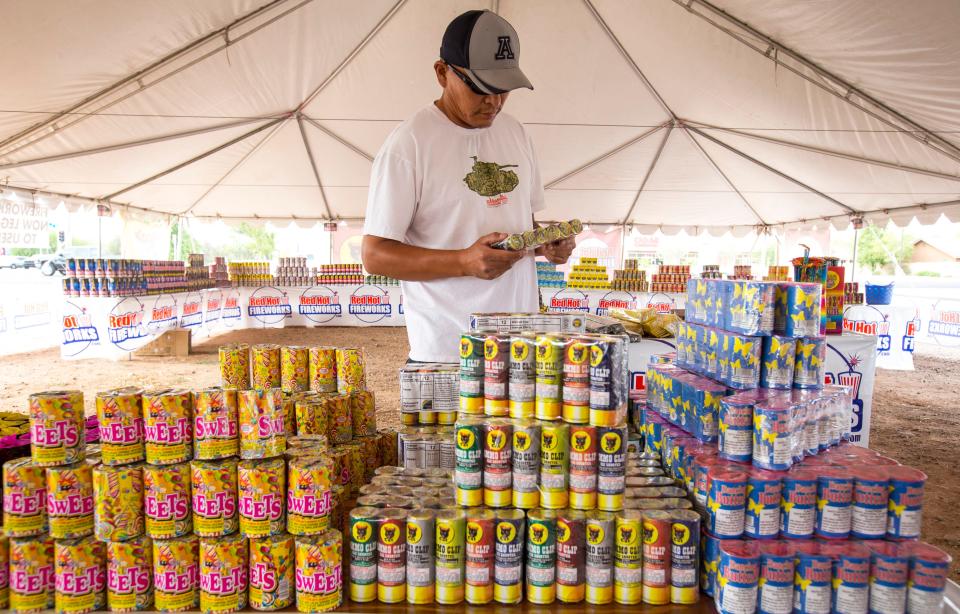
<point>247,242</point>
<point>876,246</point>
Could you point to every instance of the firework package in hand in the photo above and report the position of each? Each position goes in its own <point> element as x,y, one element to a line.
<point>532,239</point>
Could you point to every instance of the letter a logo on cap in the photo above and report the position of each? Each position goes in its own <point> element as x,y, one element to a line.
<point>504,50</point>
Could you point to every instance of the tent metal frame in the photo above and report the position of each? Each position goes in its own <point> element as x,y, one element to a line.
<point>646,176</point>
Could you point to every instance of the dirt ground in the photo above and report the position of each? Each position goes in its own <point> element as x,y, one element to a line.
<point>914,413</point>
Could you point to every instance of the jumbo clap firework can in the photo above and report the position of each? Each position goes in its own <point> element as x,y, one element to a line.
<point>904,510</point>
<point>472,373</point>
<point>392,556</point>
<point>223,574</point>
<point>120,423</point>
<point>265,366</point>
<point>319,572</point>
<point>364,533</point>
<point>496,373</point>
<point>81,575</point>
<point>468,476</point>
<point>850,587</point>
<point>834,503</point>
<point>166,499</point>
<point>118,502</point>
<point>261,486</point>
<point>57,427</point>
<point>657,525</point>
<point>526,463</point>
<point>762,512</point>
<point>611,467</point>
<point>294,368</point>
<point>549,376</point>
<point>363,410</point>
<point>215,430</point>
<point>583,467</point>
<point>421,579</point>
<point>479,564</point>
<point>235,366</point>
<point>871,496</point>
<point>738,576</point>
<point>215,492</point>
<point>351,373</point>
<point>726,501</point>
<point>508,556</point>
<point>812,587</point>
<point>541,556</point>
<point>576,381</point>
<point>777,563</point>
<point>777,362</point>
<point>176,574</point>
<point>608,398</point>
<point>70,500</point>
<point>168,426</point>
<point>271,579</point>
<point>309,483</point>
<point>130,575</point>
<point>262,430</point>
<point>497,463</point>
<point>24,498</point>
<point>450,555</point>
<point>685,557</point>
<point>735,427</point>
<point>571,556</point>
<point>929,567</point>
<point>554,464</point>
<point>600,534</point>
<point>522,389</point>
<point>628,558</point>
<point>323,369</point>
<point>798,513</point>
<point>32,576</point>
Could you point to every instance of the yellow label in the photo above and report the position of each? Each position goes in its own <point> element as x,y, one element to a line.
<point>520,350</point>
<point>610,442</point>
<point>466,348</point>
<point>577,353</point>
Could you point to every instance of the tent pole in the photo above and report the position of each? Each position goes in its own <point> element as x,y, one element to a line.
<point>646,177</point>
<point>623,243</point>
<point>606,155</point>
<point>313,166</point>
<point>336,137</point>
<point>853,267</point>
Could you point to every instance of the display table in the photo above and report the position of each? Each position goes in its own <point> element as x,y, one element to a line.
<point>851,361</point>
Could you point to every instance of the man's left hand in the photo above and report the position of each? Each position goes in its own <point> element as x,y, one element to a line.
<point>557,252</point>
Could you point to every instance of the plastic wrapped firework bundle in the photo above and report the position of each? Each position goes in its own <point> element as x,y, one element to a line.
<point>265,366</point>
<point>262,485</point>
<point>168,426</point>
<point>81,575</point>
<point>57,435</point>
<point>294,368</point>
<point>235,366</point>
<point>70,500</point>
<point>261,417</point>
<point>215,497</point>
<point>176,574</point>
<point>215,432</point>
<point>363,410</point>
<point>25,498</point>
<point>319,572</point>
<point>223,574</point>
<point>166,500</point>
<point>118,502</point>
<point>130,563</point>
<point>272,561</point>
<point>31,567</point>
<point>309,484</point>
<point>351,373</point>
<point>323,369</point>
<point>120,422</point>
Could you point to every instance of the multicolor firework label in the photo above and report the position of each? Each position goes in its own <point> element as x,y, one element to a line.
<point>215,430</point>
<point>363,411</point>
<point>340,420</point>
<point>309,481</point>
<point>166,500</point>
<point>214,488</point>
<point>70,500</point>
<point>235,366</point>
<point>121,426</point>
<point>351,374</point>
<point>262,430</point>
<point>4,572</point>
<point>294,368</point>
<point>261,491</point>
<point>24,498</point>
<point>130,575</point>
<point>319,574</point>
<point>323,369</point>
<point>271,572</point>
<point>81,575</point>
<point>32,574</point>
<point>311,415</point>
<point>168,426</point>
<point>118,508</point>
<point>223,574</point>
<point>57,435</point>
<point>265,363</point>
<point>176,574</point>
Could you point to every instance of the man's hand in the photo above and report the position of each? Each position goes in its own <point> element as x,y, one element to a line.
<point>557,252</point>
<point>481,260</point>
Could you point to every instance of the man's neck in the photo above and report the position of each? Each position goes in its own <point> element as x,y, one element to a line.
<point>441,104</point>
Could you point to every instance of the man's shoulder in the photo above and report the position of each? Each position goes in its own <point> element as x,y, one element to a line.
<point>406,134</point>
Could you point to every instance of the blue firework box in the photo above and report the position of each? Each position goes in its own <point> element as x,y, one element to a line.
<point>696,309</point>
<point>750,307</point>
<point>809,364</point>
<point>715,303</point>
<point>744,356</point>
<point>777,362</point>
<point>797,309</point>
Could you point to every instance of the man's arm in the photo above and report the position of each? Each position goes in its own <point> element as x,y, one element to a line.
<point>557,252</point>
<point>401,261</point>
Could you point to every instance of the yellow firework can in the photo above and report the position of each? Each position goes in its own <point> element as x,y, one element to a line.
<point>309,480</point>
<point>319,572</point>
<point>31,574</point>
<point>176,574</point>
<point>118,502</point>
<point>271,572</point>
<point>130,575</point>
<point>70,500</point>
<point>81,570</point>
<point>24,498</point>
<point>57,435</point>
<point>223,574</point>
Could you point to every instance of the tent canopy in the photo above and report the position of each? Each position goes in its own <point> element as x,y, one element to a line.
<point>718,115</point>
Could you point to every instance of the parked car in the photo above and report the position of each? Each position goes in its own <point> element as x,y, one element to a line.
<point>16,262</point>
<point>55,264</point>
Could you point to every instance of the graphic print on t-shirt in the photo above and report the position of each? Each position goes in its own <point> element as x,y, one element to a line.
<point>491,180</point>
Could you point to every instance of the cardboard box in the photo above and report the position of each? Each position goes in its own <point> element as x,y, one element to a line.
<point>171,343</point>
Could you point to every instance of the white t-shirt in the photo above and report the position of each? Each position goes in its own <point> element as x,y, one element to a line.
<point>421,194</point>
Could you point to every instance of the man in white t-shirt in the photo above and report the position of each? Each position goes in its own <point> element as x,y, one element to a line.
<point>452,180</point>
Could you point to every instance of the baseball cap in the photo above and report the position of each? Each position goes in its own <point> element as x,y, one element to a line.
<point>487,47</point>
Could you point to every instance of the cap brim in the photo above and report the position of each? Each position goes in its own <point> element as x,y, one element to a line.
<point>503,79</point>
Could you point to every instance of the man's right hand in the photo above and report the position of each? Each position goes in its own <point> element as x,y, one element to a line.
<point>481,260</point>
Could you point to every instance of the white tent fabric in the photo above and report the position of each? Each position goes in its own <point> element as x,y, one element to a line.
<point>720,115</point>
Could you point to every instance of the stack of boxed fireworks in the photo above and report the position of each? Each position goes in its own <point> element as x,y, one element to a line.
<point>795,518</point>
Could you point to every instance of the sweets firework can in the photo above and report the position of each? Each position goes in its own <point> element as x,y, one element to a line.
<point>571,555</point>
<point>121,426</point>
<point>496,374</point>
<point>176,574</point>
<point>130,575</point>
<point>541,549</point>
<point>451,555</point>
<point>657,525</point>
<point>294,368</point>
<point>271,579</point>
<point>323,369</point>
<point>421,579</point>
<point>235,366</point>
<point>363,411</point>
<point>311,416</point>
<point>738,577</point>
<point>215,494</point>
<point>351,373</point>
<point>309,483</point>
<point>508,556</point>
<point>583,467</point>
<point>262,430</point>
<point>81,575</point>
<point>223,574</point>
<point>319,572</point>
<point>525,464</point>
<point>118,502</point>
<point>554,464</point>
<point>166,499</point>
<point>168,426</point>
<point>340,420</point>
<point>70,500</point>
<point>471,373</point>
<point>628,557</point>
<point>549,377</point>
<point>265,366</point>
<point>364,531</point>
<point>522,376</point>
<point>468,476</point>
<point>611,467</point>
<point>215,430</point>
<point>685,557</point>
<point>497,464</point>
<point>24,498</point>
<point>261,486</point>
<point>32,575</point>
<point>57,435</point>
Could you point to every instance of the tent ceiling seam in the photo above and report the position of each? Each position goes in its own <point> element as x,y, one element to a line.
<point>336,137</point>
<point>646,177</point>
<point>313,167</point>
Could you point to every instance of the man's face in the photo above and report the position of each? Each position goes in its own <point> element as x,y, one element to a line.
<point>470,110</point>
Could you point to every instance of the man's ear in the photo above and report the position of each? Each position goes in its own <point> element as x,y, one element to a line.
<point>440,68</point>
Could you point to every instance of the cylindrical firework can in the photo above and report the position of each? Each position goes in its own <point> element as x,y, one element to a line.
<point>762,512</point>
<point>4,571</point>
<point>496,373</point>
<point>223,574</point>
<point>81,575</point>
<point>571,555</point>
<point>364,533</point>
<point>294,368</point>
<point>351,373</point>
<point>235,366</point>
<point>421,532</point>
<point>265,366</point>
<point>70,500</point>
<point>834,503</point>
<point>450,555</point>
<point>166,500</point>
<point>554,464</point>
<point>480,555</point>
<point>608,399</point>
<point>508,556</point>
<point>726,501</point>
<point>541,556</point>
<point>261,486</point>
<point>323,369</point>
<point>392,556</point>
<point>168,426</point>
<point>583,467</point>
<point>215,432</point>
<point>684,557</point>
<point>57,435</point>
<point>871,495</point>
<point>497,463</point>
<point>472,373</point>
<point>32,576</point>
<point>526,463</point>
<point>904,511</point>
<point>522,375</point>
<point>851,576</point>
<point>339,419</point>
<point>309,481</point>
<point>777,362</point>
<point>576,381</point>
<point>798,512</point>
<point>889,572</point>
<point>777,562</point>
<point>738,577</point>
<point>319,572</point>
<point>24,498</point>
<point>929,567</point>
<point>176,574</point>
<point>772,436</point>
<point>628,558</point>
<point>735,427</point>
<point>363,410</point>
<point>311,415</point>
<point>271,579</point>
<point>812,589</point>
<point>469,432</point>
<point>120,422</point>
<point>611,467</point>
<point>130,575</point>
<point>600,533</point>
<point>118,502</point>
<point>262,430</point>
<point>809,365</point>
<point>214,488</point>
<point>657,525</point>
<point>549,377</point>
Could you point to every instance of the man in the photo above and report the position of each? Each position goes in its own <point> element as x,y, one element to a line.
<point>437,204</point>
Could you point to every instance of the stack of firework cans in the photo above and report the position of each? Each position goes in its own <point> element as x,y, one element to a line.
<point>532,239</point>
